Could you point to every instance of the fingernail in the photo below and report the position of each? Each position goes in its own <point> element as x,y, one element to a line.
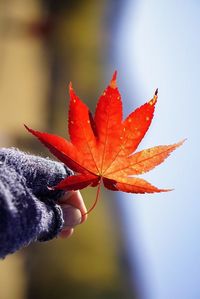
<point>72,216</point>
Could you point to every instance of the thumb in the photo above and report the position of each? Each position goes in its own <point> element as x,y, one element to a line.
<point>72,216</point>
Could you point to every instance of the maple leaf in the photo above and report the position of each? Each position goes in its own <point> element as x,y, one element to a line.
<point>102,148</point>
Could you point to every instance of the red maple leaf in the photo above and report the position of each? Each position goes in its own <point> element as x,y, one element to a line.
<point>101,148</point>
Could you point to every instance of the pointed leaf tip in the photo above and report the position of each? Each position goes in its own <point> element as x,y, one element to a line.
<point>153,101</point>
<point>114,77</point>
<point>27,128</point>
<point>70,87</point>
<point>113,82</point>
<point>181,142</point>
<point>72,93</point>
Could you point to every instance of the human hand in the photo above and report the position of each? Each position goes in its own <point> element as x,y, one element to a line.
<point>74,212</point>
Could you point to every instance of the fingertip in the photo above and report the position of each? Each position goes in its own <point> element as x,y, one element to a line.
<point>71,215</point>
<point>66,233</point>
<point>74,198</point>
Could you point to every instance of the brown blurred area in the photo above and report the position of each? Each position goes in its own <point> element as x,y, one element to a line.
<point>43,46</point>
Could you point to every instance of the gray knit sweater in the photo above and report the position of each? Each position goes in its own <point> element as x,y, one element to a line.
<point>28,210</point>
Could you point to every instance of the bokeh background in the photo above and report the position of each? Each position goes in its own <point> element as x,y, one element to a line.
<point>132,246</point>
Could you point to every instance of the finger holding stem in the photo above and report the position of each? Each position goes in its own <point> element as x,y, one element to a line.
<point>74,211</point>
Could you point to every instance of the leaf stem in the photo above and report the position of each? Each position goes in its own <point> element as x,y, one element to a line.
<point>96,199</point>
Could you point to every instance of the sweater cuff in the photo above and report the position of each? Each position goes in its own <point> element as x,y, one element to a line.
<point>55,216</point>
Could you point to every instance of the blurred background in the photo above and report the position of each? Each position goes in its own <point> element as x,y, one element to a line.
<point>132,246</point>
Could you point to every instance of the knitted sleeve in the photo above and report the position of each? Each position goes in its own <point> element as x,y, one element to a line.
<point>28,210</point>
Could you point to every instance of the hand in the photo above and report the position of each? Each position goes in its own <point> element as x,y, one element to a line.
<point>74,212</point>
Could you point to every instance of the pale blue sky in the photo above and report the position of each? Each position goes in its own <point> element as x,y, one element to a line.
<point>158,45</point>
